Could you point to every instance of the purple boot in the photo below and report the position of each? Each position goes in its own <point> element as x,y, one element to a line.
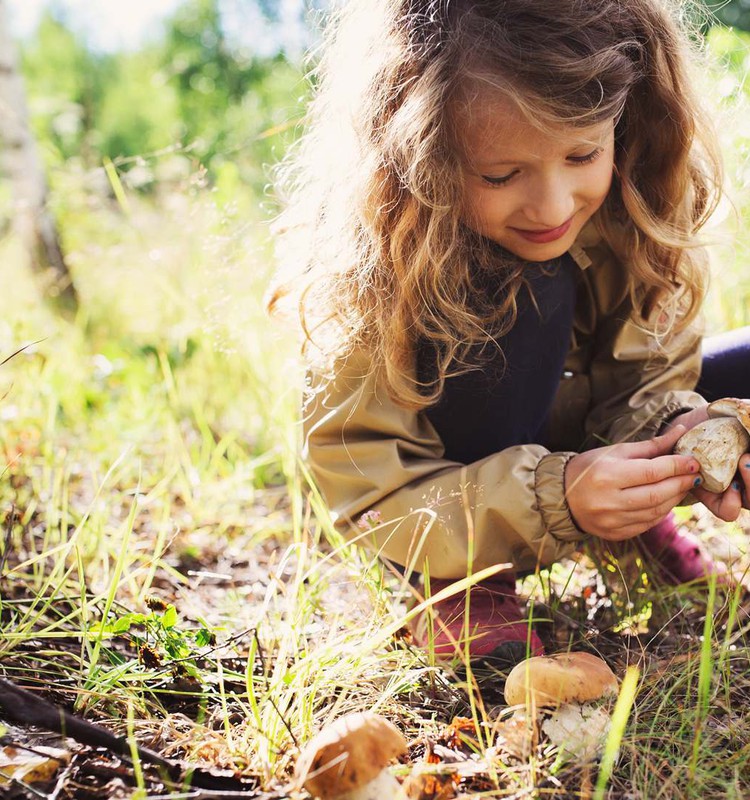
<point>677,556</point>
<point>496,629</point>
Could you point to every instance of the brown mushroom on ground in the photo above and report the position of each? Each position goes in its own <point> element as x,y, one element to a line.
<point>561,678</point>
<point>347,760</point>
<point>717,445</point>
<point>572,690</point>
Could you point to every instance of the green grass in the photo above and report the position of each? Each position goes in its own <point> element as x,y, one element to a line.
<point>151,455</point>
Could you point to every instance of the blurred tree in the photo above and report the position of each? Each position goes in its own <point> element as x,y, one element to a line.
<point>21,164</point>
<point>67,83</point>
<point>209,77</point>
<point>220,88</point>
<point>234,105</point>
<point>139,113</point>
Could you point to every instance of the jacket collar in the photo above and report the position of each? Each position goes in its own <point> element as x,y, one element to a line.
<point>588,237</point>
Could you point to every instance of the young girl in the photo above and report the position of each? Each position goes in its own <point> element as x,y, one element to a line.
<point>497,203</point>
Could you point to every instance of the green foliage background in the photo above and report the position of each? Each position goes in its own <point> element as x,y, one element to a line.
<point>188,94</point>
<point>733,13</point>
<point>200,102</point>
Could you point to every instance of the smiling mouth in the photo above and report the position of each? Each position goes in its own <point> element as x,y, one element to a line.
<point>546,235</point>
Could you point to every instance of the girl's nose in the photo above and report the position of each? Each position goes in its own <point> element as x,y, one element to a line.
<point>550,203</point>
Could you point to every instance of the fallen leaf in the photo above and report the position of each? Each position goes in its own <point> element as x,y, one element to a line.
<point>37,766</point>
<point>430,786</point>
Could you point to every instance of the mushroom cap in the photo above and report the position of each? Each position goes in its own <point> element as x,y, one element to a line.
<point>717,444</point>
<point>348,754</point>
<point>731,407</point>
<point>561,678</point>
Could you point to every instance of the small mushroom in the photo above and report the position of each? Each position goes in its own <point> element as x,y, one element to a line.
<point>571,691</point>
<point>347,760</point>
<point>561,678</point>
<point>717,445</point>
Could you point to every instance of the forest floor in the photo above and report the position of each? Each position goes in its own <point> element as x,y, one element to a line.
<point>169,575</point>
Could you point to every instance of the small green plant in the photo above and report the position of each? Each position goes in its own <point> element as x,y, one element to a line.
<point>159,638</point>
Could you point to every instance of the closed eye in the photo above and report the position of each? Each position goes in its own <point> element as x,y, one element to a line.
<point>500,180</point>
<point>588,158</point>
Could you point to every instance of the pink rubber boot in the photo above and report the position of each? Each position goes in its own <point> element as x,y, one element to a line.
<point>497,630</point>
<point>678,556</point>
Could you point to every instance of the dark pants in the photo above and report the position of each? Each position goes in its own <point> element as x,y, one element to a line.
<point>725,370</point>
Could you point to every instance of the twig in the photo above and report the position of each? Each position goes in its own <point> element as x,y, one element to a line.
<point>61,778</point>
<point>25,708</point>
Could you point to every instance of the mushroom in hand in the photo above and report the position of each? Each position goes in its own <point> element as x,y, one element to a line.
<point>347,760</point>
<point>719,443</point>
<point>572,690</point>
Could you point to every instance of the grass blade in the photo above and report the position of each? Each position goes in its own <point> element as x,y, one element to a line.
<point>617,729</point>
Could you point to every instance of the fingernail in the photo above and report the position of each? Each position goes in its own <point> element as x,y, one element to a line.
<point>736,486</point>
<point>698,481</point>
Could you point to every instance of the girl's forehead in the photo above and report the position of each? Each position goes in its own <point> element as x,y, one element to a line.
<point>498,129</point>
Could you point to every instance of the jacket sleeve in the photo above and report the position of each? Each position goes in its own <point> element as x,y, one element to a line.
<point>638,381</point>
<point>368,454</point>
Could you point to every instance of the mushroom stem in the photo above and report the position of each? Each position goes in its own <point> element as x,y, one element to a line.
<point>383,785</point>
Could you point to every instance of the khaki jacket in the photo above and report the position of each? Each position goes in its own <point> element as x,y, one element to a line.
<point>368,454</point>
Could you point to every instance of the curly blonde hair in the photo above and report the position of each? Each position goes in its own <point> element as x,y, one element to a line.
<point>374,191</point>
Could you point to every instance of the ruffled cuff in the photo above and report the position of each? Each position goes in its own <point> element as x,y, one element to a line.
<point>549,486</point>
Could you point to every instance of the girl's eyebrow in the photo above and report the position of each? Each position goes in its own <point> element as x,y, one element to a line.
<point>523,158</point>
<point>592,138</point>
<point>515,161</point>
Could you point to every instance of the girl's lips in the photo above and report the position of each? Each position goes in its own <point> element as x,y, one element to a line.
<point>542,237</point>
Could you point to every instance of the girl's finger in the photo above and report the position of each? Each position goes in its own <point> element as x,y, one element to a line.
<point>726,506</point>
<point>650,471</point>
<point>641,500</point>
<point>620,535</point>
<point>643,520</point>
<point>744,476</point>
<point>629,531</point>
<point>651,448</point>
<point>623,524</point>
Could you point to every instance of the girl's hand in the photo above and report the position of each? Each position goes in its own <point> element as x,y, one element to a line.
<point>728,504</point>
<point>620,491</point>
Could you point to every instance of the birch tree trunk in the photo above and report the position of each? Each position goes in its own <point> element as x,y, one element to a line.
<point>22,167</point>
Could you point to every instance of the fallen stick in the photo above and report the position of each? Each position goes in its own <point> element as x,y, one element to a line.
<point>25,708</point>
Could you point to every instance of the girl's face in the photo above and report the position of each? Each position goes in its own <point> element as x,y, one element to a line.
<point>532,191</point>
